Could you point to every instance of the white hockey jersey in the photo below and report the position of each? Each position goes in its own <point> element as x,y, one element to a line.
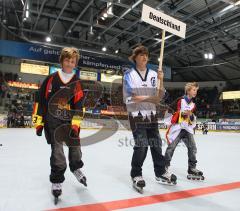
<point>179,123</point>
<point>135,85</point>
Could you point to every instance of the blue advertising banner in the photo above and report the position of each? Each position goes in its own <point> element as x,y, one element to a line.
<point>28,51</point>
<point>47,54</point>
<point>166,70</point>
<point>228,127</point>
<point>43,53</point>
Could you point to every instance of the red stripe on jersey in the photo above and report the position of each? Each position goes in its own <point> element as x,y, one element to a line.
<point>49,84</point>
<point>175,117</point>
<point>35,107</point>
<point>78,93</point>
<point>179,104</point>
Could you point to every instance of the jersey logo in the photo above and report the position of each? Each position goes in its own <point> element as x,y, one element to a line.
<point>153,81</point>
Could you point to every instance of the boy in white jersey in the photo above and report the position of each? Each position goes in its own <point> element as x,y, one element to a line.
<point>182,126</point>
<point>141,96</point>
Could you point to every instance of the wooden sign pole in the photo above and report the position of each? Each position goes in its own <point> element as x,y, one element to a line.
<point>161,58</point>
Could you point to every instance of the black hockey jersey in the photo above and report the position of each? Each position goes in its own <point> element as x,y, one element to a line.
<point>59,100</point>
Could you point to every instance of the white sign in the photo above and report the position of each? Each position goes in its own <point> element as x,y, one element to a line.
<point>231,95</point>
<point>34,69</point>
<point>111,78</point>
<point>163,21</point>
<point>90,76</point>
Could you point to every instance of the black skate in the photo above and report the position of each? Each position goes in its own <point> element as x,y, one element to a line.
<point>138,184</point>
<point>80,177</point>
<point>167,178</point>
<point>195,174</point>
<point>56,191</point>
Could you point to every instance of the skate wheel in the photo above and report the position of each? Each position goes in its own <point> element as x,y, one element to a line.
<point>202,178</point>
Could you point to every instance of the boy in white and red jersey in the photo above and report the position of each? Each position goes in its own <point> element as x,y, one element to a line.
<point>182,126</point>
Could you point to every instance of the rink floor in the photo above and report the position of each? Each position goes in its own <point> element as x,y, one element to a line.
<point>24,175</point>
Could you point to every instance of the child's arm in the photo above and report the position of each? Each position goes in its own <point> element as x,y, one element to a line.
<point>193,113</point>
<point>177,113</point>
<point>77,107</point>
<point>153,99</point>
<point>189,114</point>
<point>40,107</point>
<point>149,99</point>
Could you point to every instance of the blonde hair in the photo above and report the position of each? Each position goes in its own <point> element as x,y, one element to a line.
<point>138,50</point>
<point>190,85</point>
<point>69,52</point>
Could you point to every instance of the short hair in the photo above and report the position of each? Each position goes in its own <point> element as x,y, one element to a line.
<point>138,50</point>
<point>69,52</point>
<point>190,85</point>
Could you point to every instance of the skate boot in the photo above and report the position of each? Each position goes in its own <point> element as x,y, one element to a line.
<point>80,177</point>
<point>138,183</point>
<point>56,191</point>
<point>167,178</point>
<point>195,174</point>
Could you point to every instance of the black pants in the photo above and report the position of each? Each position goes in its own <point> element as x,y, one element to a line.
<point>58,161</point>
<point>145,137</point>
<point>58,135</point>
<point>189,141</point>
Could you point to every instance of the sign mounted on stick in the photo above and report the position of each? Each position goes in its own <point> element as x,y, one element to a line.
<point>163,21</point>
<point>166,23</point>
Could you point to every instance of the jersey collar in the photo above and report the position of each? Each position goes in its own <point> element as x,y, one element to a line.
<point>188,100</point>
<point>143,79</point>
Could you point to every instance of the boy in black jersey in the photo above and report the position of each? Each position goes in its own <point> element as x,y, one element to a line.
<point>58,110</point>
